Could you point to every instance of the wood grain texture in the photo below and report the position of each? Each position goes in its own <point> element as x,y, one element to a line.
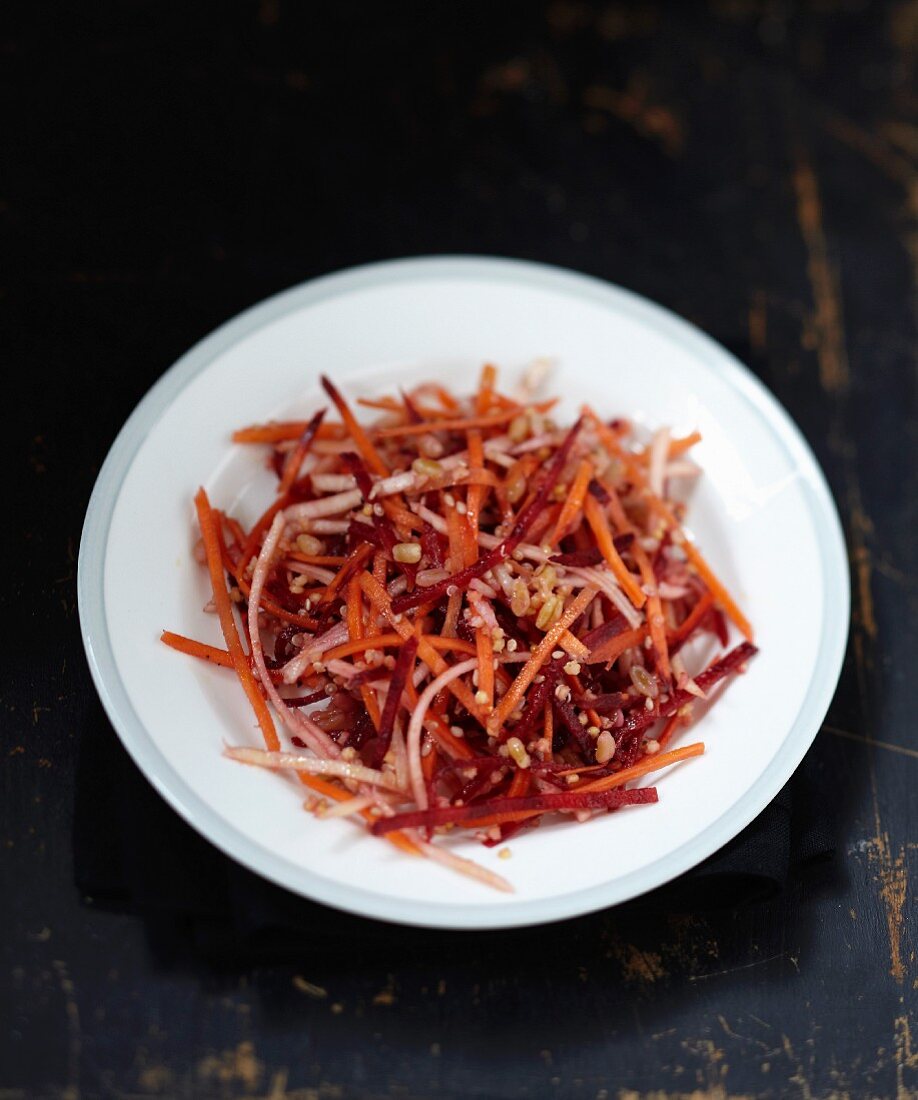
<point>751,165</point>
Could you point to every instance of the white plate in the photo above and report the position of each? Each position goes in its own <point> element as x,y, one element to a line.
<point>762,513</point>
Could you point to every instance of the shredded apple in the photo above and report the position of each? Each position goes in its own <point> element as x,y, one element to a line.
<point>465,615</point>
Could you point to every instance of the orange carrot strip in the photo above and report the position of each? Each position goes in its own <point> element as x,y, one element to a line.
<point>610,652</point>
<point>459,424</point>
<point>519,784</point>
<point>677,447</point>
<point>599,525</point>
<point>655,618</point>
<point>574,501</point>
<point>485,388</point>
<point>197,649</point>
<point>573,646</point>
<point>669,730</point>
<point>362,441</point>
<point>485,648</point>
<point>211,537</point>
<point>647,764</point>
<point>383,404</point>
<point>283,431</point>
<point>720,594</point>
<point>389,640</point>
<point>354,619</point>
<point>451,618</point>
<point>298,454</point>
<point>538,657</point>
<point>694,617</point>
<point>353,564</point>
<point>445,398</point>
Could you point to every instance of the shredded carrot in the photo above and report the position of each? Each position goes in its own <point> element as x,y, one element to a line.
<point>669,730</point>
<point>718,591</point>
<point>284,431</point>
<point>655,617</point>
<point>519,784</point>
<point>648,764</point>
<point>595,517</point>
<point>297,456</point>
<point>368,452</point>
<point>197,649</point>
<point>691,621</point>
<point>573,646</point>
<point>538,657</point>
<point>458,424</point>
<point>609,653</point>
<point>485,388</point>
<point>485,649</point>
<point>574,502</point>
<point>211,536</point>
<point>677,447</point>
<point>451,618</point>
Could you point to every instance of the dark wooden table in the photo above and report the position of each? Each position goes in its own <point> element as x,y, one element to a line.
<point>751,165</point>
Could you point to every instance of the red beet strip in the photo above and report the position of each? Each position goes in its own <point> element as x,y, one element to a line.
<point>542,803</point>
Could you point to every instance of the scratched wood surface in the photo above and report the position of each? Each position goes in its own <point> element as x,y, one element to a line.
<point>751,165</point>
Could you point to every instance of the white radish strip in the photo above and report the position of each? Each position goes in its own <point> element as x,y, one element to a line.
<point>525,549</point>
<point>398,586</point>
<point>681,469</point>
<point>501,458</point>
<point>476,584</point>
<point>398,483</point>
<point>546,439</point>
<point>417,720</point>
<point>294,720</point>
<point>482,608</point>
<point>426,577</point>
<point>327,526</point>
<point>313,650</point>
<point>344,669</point>
<point>464,866</point>
<point>438,523</point>
<point>668,591</point>
<point>326,576</point>
<point>299,762</point>
<point>504,578</point>
<point>420,674</point>
<point>333,483</point>
<point>351,806</point>
<point>460,458</point>
<point>326,506</point>
<point>602,579</point>
<point>659,451</point>
<point>401,755</point>
<point>533,378</point>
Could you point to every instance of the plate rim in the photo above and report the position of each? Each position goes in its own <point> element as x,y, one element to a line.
<point>515,912</point>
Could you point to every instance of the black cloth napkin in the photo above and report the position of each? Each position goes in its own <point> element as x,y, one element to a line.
<point>133,853</point>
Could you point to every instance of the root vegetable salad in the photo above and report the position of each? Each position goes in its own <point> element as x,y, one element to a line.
<point>465,616</point>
